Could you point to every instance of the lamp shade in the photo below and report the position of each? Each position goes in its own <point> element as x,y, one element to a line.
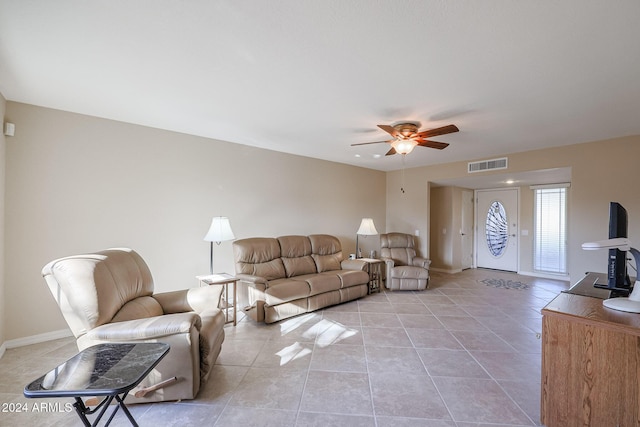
<point>220,230</point>
<point>367,228</point>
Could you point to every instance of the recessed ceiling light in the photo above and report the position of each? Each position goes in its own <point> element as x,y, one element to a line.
<point>358,155</point>
<point>509,181</point>
<point>377,156</point>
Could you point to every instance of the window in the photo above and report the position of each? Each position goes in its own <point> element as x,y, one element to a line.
<point>550,240</point>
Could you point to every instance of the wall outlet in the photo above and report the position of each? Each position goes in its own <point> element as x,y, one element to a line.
<point>417,233</point>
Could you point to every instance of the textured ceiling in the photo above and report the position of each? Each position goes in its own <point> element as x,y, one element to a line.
<point>313,77</point>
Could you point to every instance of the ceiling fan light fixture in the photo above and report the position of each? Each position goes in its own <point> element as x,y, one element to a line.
<point>404,146</point>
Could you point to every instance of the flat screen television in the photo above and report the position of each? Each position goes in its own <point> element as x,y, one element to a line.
<point>617,279</point>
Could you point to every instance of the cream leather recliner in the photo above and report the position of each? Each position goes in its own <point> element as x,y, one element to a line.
<point>404,270</point>
<point>107,297</point>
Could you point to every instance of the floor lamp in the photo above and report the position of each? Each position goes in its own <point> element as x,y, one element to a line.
<point>220,231</point>
<point>367,228</point>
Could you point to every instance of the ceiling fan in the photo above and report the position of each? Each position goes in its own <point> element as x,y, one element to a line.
<point>406,137</point>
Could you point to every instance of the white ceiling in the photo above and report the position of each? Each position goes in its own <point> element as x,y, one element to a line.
<point>312,77</point>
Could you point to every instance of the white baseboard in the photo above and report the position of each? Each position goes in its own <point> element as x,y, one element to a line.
<point>444,270</point>
<point>34,339</point>
<point>563,277</point>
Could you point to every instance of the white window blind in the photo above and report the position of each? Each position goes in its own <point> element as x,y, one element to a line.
<point>550,242</point>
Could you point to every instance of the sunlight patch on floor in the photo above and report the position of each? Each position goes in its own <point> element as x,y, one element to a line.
<point>293,352</point>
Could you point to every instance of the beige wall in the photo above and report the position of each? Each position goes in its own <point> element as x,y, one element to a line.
<point>441,218</point>
<point>3,162</point>
<point>602,171</point>
<point>77,183</point>
<point>444,229</point>
<point>441,242</point>
<point>527,223</point>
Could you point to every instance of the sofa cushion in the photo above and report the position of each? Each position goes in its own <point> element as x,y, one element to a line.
<point>350,278</point>
<point>259,256</point>
<point>409,272</point>
<point>138,308</point>
<point>296,255</point>
<point>319,283</point>
<point>284,290</point>
<point>326,252</point>
<point>326,262</point>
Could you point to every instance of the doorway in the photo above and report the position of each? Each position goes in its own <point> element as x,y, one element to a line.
<point>466,230</point>
<point>497,229</point>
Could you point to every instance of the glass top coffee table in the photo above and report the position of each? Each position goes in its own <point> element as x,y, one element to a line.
<point>104,370</point>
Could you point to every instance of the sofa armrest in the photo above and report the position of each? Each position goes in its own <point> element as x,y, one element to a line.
<point>421,262</point>
<point>388,262</point>
<point>144,329</point>
<point>193,299</point>
<point>354,264</point>
<point>256,281</point>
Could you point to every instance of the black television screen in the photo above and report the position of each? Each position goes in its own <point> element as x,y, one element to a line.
<point>617,278</point>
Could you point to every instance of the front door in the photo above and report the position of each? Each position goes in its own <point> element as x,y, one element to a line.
<point>497,220</point>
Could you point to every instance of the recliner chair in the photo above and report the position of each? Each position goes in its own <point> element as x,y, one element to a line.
<point>404,270</point>
<point>107,297</point>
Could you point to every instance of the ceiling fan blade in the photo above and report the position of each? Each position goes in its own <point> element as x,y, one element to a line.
<point>390,130</point>
<point>391,152</point>
<point>437,131</point>
<point>367,143</point>
<point>432,144</point>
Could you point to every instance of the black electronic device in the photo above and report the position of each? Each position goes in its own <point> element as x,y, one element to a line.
<point>617,279</point>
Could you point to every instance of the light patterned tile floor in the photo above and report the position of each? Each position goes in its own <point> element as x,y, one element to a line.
<point>461,354</point>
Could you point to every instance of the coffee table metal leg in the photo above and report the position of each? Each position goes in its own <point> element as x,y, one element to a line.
<point>124,409</point>
<point>82,410</point>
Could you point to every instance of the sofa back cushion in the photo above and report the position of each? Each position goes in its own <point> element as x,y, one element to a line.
<point>92,288</point>
<point>397,246</point>
<point>326,252</point>
<point>296,255</point>
<point>138,308</point>
<point>259,256</point>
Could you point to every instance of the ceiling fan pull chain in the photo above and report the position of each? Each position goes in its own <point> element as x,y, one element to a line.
<point>402,184</point>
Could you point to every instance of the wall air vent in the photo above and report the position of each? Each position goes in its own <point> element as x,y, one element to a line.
<point>487,165</point>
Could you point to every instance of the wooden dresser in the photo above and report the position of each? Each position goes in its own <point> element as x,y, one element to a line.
<point>590,364</point>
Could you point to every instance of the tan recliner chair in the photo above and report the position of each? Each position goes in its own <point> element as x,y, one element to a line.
<point>107,297</point>
<point>404,270</point>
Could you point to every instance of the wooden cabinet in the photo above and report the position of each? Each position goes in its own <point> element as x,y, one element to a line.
<point>590,364</point>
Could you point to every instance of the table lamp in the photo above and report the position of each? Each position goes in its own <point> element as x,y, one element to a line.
<point>367,228</point>
<point>220,231</point>
<point>630,304</point>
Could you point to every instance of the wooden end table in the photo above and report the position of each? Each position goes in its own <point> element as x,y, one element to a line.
<point>224,280</point>
<point>374,267</point>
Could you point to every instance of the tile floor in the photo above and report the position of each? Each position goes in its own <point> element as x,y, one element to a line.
<point>461,354</point>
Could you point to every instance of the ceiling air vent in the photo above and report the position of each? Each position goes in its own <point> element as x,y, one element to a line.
<point>486,165</point>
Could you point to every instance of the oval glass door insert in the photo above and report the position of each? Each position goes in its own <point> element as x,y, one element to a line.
<point>496,229</point>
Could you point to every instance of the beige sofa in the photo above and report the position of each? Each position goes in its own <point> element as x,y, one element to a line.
<point>107,297</point>
<point>290,275</point>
